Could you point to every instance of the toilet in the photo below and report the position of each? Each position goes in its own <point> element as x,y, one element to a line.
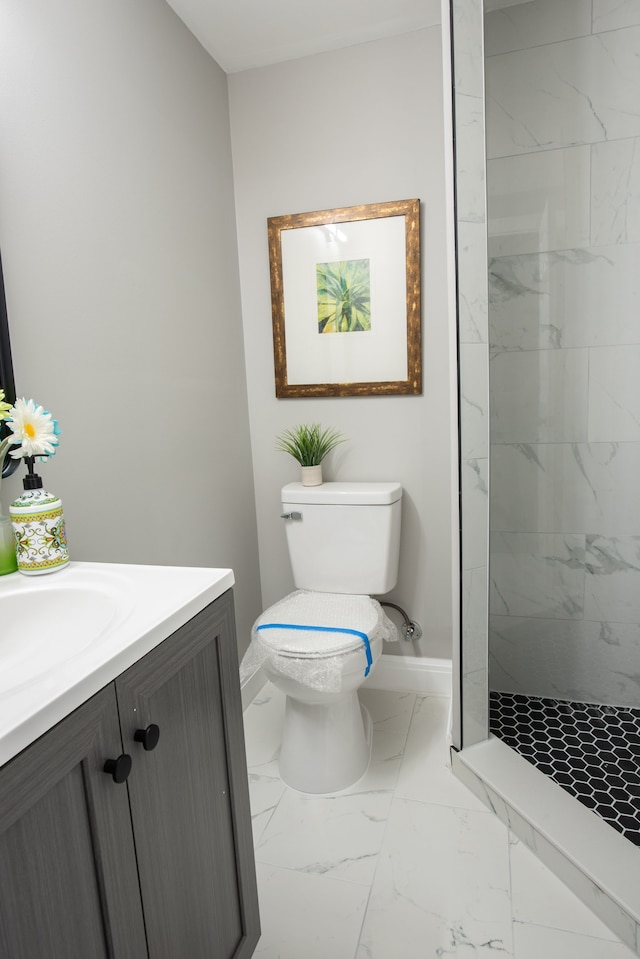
<point>320,643</point>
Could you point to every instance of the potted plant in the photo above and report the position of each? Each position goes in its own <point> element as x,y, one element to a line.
<point>309,445</point>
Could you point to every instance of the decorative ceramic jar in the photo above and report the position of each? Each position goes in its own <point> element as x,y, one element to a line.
<point>40,535</point>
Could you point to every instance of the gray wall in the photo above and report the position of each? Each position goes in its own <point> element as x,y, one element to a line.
<point>117,230</point>
<point>360,125</point>
<point>563,140</point>
<point>118,234</point>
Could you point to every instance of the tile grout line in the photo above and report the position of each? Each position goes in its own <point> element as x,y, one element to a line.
<point>386,825</point>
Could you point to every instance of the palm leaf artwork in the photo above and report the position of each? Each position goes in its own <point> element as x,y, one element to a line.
<point>344,296</point>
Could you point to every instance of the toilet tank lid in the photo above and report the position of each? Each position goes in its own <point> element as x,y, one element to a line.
<point>344,494</point>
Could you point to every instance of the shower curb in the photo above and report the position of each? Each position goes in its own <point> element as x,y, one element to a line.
<point>593,860</point>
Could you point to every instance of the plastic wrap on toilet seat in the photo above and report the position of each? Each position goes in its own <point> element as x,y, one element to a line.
<point>283,637</point>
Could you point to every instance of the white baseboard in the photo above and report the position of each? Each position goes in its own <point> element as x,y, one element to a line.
<point>252,686</point>
<point>413,674</point>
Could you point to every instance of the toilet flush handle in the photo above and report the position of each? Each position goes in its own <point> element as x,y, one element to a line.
<point>294,515</point>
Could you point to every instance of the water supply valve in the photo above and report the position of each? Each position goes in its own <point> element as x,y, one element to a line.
<point>411,631</point>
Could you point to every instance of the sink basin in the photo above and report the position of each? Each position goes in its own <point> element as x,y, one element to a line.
<point>48,625</point>
<point>65,636</point>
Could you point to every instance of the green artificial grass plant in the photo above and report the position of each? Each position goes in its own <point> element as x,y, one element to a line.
<point>308,444</point>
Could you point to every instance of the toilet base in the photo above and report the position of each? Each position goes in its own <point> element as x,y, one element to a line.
<point>325,746</point>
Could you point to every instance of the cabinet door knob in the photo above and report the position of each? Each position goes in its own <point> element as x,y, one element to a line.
<point>148,737</point>
<point>118,768</point>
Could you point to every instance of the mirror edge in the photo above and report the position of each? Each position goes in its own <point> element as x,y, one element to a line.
<point>7,381</point>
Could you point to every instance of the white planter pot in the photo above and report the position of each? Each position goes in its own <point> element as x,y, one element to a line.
<point>311,475</point>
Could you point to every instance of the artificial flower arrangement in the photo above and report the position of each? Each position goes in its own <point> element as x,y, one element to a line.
<point>33,429</point>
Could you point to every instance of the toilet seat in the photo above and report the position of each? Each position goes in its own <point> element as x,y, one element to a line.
<point>312,653</point>
<point>319,654</point>
<point>310,625</point>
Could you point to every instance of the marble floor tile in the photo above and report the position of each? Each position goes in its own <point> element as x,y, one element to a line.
<point>391,713</point>
<point>338,836</point>
<point>263,723</point>
<point>406,864</point>
<point>307,917</point>
<point>534,942</point>
<point>425,774</point>
<point>539,898</point>
<point>441,887</point>
<point>265,793</point>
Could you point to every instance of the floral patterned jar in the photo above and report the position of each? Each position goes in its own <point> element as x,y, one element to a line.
<point>40,535</point>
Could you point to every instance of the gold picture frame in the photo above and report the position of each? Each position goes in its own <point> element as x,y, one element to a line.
<point>345,300</point>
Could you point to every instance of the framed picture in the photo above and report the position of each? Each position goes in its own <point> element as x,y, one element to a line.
<point>345,300</point>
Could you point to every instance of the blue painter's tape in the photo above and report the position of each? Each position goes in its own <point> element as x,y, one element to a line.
<point>328,629</point>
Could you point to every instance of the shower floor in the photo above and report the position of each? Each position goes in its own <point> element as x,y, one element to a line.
<point>591,751</point>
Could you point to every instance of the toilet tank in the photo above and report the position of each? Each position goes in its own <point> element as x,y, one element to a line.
<point>343,537</point>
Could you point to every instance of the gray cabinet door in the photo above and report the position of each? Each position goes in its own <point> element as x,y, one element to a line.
<point>189,794</point>
<point>68,879</point>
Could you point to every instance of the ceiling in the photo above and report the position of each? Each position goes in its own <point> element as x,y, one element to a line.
<point>242,34</point>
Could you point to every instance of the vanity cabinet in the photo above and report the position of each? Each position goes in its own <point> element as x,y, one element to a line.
<point>159,864</point>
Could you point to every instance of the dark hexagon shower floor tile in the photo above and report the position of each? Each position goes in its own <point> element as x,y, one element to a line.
<point>591,751</point>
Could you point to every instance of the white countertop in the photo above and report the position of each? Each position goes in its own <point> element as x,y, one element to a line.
<point>138,607</point>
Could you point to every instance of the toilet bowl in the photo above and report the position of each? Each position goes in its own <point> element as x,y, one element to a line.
<point>327,733</point>
<point>320,643</point>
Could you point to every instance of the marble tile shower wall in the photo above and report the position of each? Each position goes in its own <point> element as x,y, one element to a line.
<point>471,251</point>
<point>563,147</point>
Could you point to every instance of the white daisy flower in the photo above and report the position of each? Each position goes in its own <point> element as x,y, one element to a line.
<point>34,428</point>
